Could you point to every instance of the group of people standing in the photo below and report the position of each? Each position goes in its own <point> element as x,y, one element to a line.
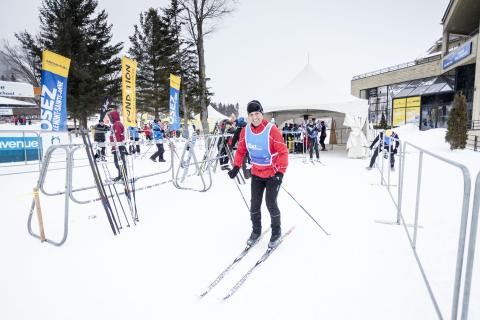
<point>305,137</point>
<point>117,135</point>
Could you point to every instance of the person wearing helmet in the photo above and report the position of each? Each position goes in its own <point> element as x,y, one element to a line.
<point>387,140</point>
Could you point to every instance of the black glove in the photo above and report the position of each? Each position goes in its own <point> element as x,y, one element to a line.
<point>395,151</point>
<point>278,177</point>
<point>233,173</point>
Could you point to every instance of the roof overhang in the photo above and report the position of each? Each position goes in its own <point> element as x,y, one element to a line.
<point>461,16</point>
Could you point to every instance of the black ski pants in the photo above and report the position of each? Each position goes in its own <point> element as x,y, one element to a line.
<point>375,154</point>
<point>123,151</point>
<point>322,142</point>
<point>313,144</point>
<point>272,185</point>
<point>136,147</point>
<point>159,153</point>
<point>223,154</point>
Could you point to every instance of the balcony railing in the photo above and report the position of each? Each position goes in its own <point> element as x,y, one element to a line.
<point>399,67</point>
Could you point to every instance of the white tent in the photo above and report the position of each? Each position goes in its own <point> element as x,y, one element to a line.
<point>309,95</point>
<point>308,91</point>
<point>214,114</point>
<point>13,102</point>
<point>213,117</point>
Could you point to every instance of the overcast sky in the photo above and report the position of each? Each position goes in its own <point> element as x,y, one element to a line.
<point>259,48</point>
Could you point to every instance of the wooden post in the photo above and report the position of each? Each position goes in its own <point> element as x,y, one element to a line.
<point>39,214</point>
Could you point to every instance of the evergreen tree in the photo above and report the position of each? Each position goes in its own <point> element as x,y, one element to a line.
<point>148,49</point>
<point>456,134</point>
<point>72,28</point>
<point>160,50</point>
<point>383,122</point>
<point>184,60</point>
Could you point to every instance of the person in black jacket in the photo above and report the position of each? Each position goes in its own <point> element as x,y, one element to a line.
<point>323,135</point>
<point>100,130</point>
<point>388,141</point>
<point>240,124</point>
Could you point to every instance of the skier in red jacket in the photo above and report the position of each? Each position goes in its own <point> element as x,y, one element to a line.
<point>119,131</point>
<point>269,158</point>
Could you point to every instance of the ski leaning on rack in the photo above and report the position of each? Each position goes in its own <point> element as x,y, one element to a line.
<point>98,182</point>
<point>230,267</point>
<point>258,263</point>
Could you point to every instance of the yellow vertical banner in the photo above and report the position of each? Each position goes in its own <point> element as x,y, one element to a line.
<point>399,111</point>
<point>129,102</point>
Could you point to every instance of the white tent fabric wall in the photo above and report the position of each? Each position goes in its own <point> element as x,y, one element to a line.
<point>357,143</point>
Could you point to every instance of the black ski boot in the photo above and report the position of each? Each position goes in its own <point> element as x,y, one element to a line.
<point>253,238</point>
<point>275,239</point>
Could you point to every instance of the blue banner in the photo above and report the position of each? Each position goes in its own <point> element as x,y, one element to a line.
<point>457,55</point>
<point>53,101</point>
<point>15,149</point>
<point>174,103</point>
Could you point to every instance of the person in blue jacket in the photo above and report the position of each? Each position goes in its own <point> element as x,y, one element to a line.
<point>158,137</point>
<point>312,132</point>
<point>134,136</point>
<point>388,141</point>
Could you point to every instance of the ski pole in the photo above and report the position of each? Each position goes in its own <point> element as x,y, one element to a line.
<point>241,193</point>
<point>306,211</point>
<point>146,152</point>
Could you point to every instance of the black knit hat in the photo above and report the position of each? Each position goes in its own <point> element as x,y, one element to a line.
<point>254,106</point>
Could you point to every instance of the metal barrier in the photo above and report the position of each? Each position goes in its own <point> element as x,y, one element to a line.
<point>69,191</point>
<point>184,165</point>
<point>39,186</point>
<point>471,250</point>
<point>463,223</point>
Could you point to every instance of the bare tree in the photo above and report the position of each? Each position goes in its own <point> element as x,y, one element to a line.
<point>201,17</point>
<point>21,62</point>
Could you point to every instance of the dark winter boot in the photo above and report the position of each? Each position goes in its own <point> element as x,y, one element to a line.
<point>253,238</point>
<point>117,178</point>
<point>275,239</point>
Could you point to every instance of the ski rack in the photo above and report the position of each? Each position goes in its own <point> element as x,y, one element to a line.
<point>188,154</point>
<point>69,149</point>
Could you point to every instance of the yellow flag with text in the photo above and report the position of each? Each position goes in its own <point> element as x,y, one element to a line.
<point>129,102</point>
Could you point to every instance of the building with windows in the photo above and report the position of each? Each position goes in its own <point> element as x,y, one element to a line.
<point>422,91</point>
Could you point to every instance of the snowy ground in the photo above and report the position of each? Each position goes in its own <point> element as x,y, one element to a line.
<point>157,269</point>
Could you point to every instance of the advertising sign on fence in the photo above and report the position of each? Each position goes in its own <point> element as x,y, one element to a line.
<point>16,149</point>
